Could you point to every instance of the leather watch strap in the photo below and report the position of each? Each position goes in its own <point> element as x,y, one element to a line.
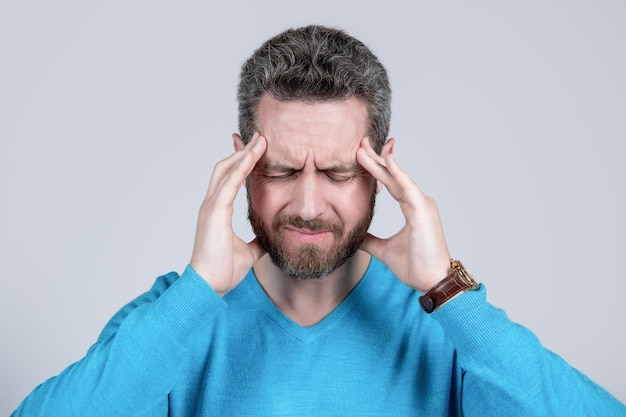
<point>458,280</point>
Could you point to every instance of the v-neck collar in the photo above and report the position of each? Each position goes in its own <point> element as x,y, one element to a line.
<point>304,334</point>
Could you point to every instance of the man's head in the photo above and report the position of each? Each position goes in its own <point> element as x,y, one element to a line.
<point>314,93</point>
<point>315,64</point>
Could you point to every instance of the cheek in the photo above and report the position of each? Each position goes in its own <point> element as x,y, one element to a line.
<point>265,198</point>
<point>362,188</point>
<point>355,197</point>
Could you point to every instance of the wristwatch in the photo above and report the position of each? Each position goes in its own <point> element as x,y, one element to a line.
<point>458,280</point>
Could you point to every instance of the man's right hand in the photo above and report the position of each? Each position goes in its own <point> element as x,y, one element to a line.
<point>219,255</point>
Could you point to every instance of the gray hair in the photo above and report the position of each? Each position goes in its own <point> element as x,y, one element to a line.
<point>315,64</point>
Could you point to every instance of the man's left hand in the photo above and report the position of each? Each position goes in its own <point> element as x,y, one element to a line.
<point>417,254</point>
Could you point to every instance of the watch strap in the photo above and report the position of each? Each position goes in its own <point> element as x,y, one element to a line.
<point>457,281</point>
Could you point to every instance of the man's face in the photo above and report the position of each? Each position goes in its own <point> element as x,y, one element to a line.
<point>310,202</point>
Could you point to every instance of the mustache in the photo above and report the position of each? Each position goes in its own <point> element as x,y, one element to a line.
<point>314,225</point>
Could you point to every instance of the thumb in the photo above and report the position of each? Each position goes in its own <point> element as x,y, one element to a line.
<point>256,251</point>
<point>373,245</point>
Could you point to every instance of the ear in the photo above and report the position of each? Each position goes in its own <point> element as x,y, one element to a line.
<point>238,142</point>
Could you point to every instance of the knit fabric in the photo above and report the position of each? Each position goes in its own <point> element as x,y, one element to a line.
<point>181,350</point>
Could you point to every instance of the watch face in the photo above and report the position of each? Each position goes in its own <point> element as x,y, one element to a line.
<point>464,274</point>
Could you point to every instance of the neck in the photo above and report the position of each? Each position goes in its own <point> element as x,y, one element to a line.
<point>308,302</point>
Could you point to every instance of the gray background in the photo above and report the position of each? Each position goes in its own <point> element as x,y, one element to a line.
<point>112,115</point>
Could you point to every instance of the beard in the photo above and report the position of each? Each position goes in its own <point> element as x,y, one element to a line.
<point>310,261</point>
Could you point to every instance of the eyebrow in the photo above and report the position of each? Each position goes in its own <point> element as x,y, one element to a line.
<point>275,167</point>
<point>338,168</point>
<point>343,168</point>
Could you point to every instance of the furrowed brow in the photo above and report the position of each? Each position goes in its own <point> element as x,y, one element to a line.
<point>349,168</point>
<point>339,168</point>
<point>276,167</point>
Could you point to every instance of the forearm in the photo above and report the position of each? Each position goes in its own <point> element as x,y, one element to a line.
<point>130,371</point>
<point>508,372</point>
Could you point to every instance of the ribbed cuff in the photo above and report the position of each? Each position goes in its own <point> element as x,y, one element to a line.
<point>471,323</point>
<point>188,303</point>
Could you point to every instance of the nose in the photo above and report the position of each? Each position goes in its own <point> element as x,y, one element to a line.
<point>309,197</point>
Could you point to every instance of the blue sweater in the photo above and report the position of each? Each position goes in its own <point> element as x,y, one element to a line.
<point>181,350</point>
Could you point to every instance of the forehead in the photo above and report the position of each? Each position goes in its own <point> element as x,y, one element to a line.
<point>325,133</point>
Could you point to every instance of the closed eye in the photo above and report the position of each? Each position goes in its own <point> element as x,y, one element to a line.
<point>339,178</point>
<point>282,176</point>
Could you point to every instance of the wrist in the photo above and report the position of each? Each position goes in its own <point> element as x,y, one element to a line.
<point>457,281</point>
<point>206,276</point>
<point>439,274</point>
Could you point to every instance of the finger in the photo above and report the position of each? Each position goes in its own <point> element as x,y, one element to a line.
<point>372,162</point>
<point>374,246</point>
<point>233,161</point>
<point>230,174</point>
<point>252,153</point>
<point>401,187</point>
<point>240,150</point>
<point>392,165</point>
<point>396,180</point>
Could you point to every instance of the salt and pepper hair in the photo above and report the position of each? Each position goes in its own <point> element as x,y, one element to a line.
<point>315,64</point>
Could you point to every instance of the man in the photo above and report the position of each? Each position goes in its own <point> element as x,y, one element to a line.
<point>315,317</point>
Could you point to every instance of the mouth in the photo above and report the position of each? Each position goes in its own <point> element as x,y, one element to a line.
<point>308,236</point>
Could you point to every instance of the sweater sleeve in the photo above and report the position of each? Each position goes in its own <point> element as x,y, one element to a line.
<point>507,372</point>
<point>134,364</point>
